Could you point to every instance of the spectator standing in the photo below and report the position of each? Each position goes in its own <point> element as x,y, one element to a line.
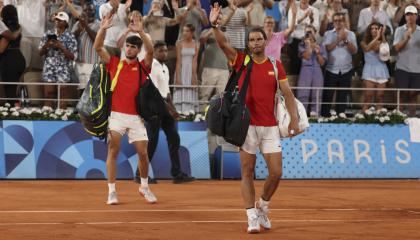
<point>60,49</point>
<point>306,15</point>
<point>326,23</point>
<point>354,7</point>
<point>373,14</point>
<point>257,11</point>
<point>407,45</point>
<point>32,19</point>
<point>119,14</point>
<point>341,45</point>
<point>196,16</point>
<point>235,19</point>
<point>12,62</point>
<point>313,57</point>
<point>85,32</point>
<point>185,97</point>
<point>276,40</point>
<point>399,18</point>
<point>215,67</point>
<point>375,72</point>
<point>155,22</point>
<point>391,7</point>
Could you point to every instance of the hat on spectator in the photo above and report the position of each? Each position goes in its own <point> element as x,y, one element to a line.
<point>410,9</point>
<point>62,16</point>
<point>384,52</point>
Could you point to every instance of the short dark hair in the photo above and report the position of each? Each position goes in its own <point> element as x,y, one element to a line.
<point>159,44</point>
<point>256,29</point>
<point>134,40</point>
<point>10,17</point>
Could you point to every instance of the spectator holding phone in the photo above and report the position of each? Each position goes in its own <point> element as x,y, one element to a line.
<point>314,57</point>
<point>59,47</point>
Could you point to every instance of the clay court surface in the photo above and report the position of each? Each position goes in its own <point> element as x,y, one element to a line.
<point>301,209</point>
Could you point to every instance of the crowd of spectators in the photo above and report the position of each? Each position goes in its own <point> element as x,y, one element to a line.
<point>322,43</point>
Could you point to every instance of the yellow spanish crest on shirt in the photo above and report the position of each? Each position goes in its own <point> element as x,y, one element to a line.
<point>271,73</point>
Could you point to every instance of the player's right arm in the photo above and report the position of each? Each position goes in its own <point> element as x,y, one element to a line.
<point>98,45</point>
<point>215,20</point>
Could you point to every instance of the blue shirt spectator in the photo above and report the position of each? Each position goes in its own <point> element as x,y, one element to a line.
<point>339,59</point>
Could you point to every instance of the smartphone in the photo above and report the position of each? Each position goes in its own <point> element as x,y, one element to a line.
<point>52,37</point>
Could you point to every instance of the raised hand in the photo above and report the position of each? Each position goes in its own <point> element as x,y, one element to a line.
<point>317,49</point>
<point>128,4</point>
<point>175,4</point>
<point>250,7</point>
<point>107,21</point>
<point>215,14</point>
<point>136,25</point>
<point>408,33</point>
<point>342,35</point>
<point>294,8</point>
<point>232,5</point>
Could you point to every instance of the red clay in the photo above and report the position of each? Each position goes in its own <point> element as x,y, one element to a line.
<point>333,209</point>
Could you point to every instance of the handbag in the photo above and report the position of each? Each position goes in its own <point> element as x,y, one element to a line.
<point>281,112</point>
<point>217,111</point>
<point>228,115</point>
<point>150,104</point>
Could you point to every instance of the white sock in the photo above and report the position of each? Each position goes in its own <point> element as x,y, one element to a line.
<point>262,202</point>
<point>111,187</point>
<point>144,182</point>
<point>251,211</point>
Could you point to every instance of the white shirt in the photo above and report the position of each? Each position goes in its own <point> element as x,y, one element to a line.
<point>31,14</point>
<point>118,23</point>
<point>3,27</point>
<point>322,6</point>
<point>299,32</point>
<point>160,77</point>
<point>365,18</point>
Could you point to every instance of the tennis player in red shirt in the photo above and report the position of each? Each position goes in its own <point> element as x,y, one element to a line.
<point>124,118</point>
<point>263,132</point>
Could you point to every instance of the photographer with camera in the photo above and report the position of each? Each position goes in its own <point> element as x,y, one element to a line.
<point>313,57</point>
<point>59,47</point>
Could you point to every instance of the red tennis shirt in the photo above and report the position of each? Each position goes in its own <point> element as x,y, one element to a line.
<point>260,97</point>
<point>128,86</point>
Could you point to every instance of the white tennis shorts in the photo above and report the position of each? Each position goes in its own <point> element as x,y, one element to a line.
<point>133,125</point>
<point>266,139</point>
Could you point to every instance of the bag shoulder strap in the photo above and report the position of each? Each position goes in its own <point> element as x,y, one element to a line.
<point>276,72</point>
<point>247,62</point>
<point>117,74</point>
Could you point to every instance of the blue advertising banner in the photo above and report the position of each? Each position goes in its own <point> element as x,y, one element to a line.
<point>62,150</point>
<point>349,151</point>
<point>340,151</point>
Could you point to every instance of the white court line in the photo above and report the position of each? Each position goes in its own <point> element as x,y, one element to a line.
<point>215,221</point>
<point>206,210</point>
